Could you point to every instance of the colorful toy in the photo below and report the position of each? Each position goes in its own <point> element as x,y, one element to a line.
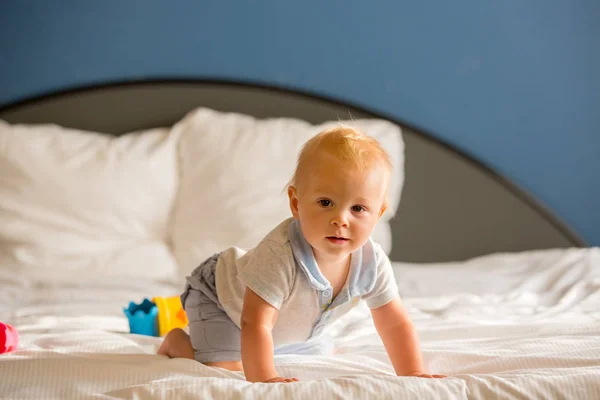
<point>156,317</point>
<point>9,338</point>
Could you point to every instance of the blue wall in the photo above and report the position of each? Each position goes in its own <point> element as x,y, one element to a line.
<point>514,83</point>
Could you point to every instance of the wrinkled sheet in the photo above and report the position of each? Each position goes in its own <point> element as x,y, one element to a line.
<point>506,326</point>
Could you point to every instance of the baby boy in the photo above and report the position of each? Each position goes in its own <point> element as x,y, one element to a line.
<point>245,306</point>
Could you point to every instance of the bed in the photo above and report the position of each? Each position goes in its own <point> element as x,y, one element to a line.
<point>111,193</point>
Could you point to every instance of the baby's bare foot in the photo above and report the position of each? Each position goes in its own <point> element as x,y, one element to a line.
<point>177,345</point>
<point>163,350</point>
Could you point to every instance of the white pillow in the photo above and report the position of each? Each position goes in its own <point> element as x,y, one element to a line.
<point>234,169</point>
<point>75,202</point>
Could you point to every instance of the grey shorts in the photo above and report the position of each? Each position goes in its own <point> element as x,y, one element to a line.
<point>213,334</point>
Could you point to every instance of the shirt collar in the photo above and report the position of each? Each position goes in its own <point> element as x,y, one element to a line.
<point>363,264</point>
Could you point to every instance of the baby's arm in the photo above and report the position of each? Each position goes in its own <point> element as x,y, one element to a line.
<point>258,319</point>
<point>400,339</point>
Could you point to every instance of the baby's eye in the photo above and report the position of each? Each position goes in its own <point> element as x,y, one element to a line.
<point>358,209</point>
<point>325,202</point>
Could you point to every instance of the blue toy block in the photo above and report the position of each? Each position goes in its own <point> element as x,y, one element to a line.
<point>143,318</point>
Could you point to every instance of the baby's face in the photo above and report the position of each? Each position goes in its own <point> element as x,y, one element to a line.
<point>338,206</point>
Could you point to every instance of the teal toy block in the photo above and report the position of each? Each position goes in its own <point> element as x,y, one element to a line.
<point>143,318</point>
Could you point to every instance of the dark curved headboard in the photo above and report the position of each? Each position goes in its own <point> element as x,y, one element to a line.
<point>452,207</point>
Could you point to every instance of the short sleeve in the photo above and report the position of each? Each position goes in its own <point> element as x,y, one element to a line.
<point>270,272</point>
<point>385,289</point>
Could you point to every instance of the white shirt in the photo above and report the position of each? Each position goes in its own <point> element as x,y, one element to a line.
<point>282,270</point>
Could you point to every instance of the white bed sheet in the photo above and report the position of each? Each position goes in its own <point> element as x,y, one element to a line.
<point>504,326</point>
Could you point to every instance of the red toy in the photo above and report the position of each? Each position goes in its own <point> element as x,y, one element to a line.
<point>9,338</point>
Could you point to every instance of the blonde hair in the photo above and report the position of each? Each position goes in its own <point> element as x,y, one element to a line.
<point>345,144</point>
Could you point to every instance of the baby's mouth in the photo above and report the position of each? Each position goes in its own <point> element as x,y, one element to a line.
<point>337,239</point>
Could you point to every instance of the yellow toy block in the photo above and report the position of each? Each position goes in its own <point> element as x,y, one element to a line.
<point>171,314</point>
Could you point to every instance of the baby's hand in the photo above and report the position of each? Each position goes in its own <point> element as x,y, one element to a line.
<point>424,375</point>
<point>278,379</point>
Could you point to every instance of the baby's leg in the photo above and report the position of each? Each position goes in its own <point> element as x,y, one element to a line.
<point>177,344</point>
<point>214,338</point>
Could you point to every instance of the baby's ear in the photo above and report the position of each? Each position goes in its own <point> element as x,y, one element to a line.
<point>293,197</point>
<point>383,208</point>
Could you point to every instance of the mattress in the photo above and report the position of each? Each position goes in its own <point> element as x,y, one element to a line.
<point>506,326</point>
